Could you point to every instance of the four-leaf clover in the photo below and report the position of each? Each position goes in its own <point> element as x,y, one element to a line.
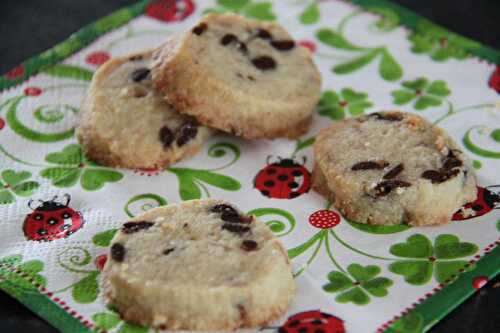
<point>423,258</point>
<point>334,105</point>
<point>108,320</point>
<point>425,93</point>
<point>72,165</point>
<point>14,183</point>
<point>358,285</point>
<point>255,10</point>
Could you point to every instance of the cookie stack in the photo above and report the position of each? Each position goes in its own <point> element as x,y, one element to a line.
<point>155,107</point>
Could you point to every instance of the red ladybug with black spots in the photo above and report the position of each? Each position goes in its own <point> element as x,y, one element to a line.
<point>494,81</point>
<point>313,321</point>
<point>284,179</point>
<point>52,220</point>
<point>486,201</point>
<point>170,10</point>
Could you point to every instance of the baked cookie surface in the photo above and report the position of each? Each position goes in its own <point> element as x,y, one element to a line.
<point>126,123</point>
<point>244,77</point>
<point>392,168</point>
<point>198,265</point>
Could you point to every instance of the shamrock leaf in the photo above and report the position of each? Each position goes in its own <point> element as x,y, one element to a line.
<point>106,320</point>
<point>72,166</point>
<point>334,39</point>
<point>86,290</point>
<point>424,93</point>
<point>260,11</point>
<point>332,105</point>
<point>104,238</point>
<point>359,285</point>
<point>388,21</point>
<point>191,182</point>
<point>14,183</point>
<point>109,320</point>
<point>94,179</point>
<point>410,323</point>
<point>310,15</point>
<point>425,257</point>
<point>389,68</point>
<point>355,64</point>
<point>257,10</point>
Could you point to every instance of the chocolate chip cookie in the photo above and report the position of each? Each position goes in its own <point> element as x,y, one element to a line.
<point>198,265</point>
<point>126,123</point>
<point>245,77</point>
<point>392,168</point>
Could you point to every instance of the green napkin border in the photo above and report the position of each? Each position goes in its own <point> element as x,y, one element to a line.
<point>418,318</point>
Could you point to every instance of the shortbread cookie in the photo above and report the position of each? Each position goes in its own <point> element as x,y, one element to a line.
<point>244,77</point>
<point>198,265</point>
<point>392,168</point>
<point>126,123</point>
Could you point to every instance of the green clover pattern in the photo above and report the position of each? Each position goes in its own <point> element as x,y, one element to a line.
<point>71,166</point>
<point>334,105</point>
<point>420,259</point>
<point>357,284</point>
<point>13,282</point>
<point>108,320</point>
<point>15,183</point>
<point>254,10</point>
<point>425,94</point>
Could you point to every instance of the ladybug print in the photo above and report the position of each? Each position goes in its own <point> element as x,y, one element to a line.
<point>486,201</point>
<point>324,219</point>
<point>52,220</point>
<point>494,81</point>
<point>284,179</point>
<point>312,322</point>
<point>170,10</point>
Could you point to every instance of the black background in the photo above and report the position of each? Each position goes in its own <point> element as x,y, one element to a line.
<point>30,27</point>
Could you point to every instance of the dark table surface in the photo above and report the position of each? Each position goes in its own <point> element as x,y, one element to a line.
<point>30,27</point>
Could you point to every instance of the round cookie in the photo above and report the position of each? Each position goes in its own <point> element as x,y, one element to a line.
<point>392,168</point>
<point>197,265</point>
<point>126,123</point>
<point>244,77</point>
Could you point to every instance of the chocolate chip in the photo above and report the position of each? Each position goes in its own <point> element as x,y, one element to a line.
<point>439,176</point>
<point>166,136</point>
<point>167,251</point>
<point>369,165</point>
<point>251,78</point>
<point>222,208</point>
<point>283,45</point>
<point>452,162</point>
<point>140,74</point>
<point>249,245</point>
<point>118,252</point>
<point>264,63</point>
<point>227,39</point>
<point>235,228</point>
<point>242,47</point>
<point>133,227</point>
<point>234,217</point>
<point>433,175</point>
<point>135,58</point>
<point>394,171</point>
<point>264,34</point>
<point>387,117</point>
<point>385,187</point>
<point>200,28</point>
<point>187,132</point>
